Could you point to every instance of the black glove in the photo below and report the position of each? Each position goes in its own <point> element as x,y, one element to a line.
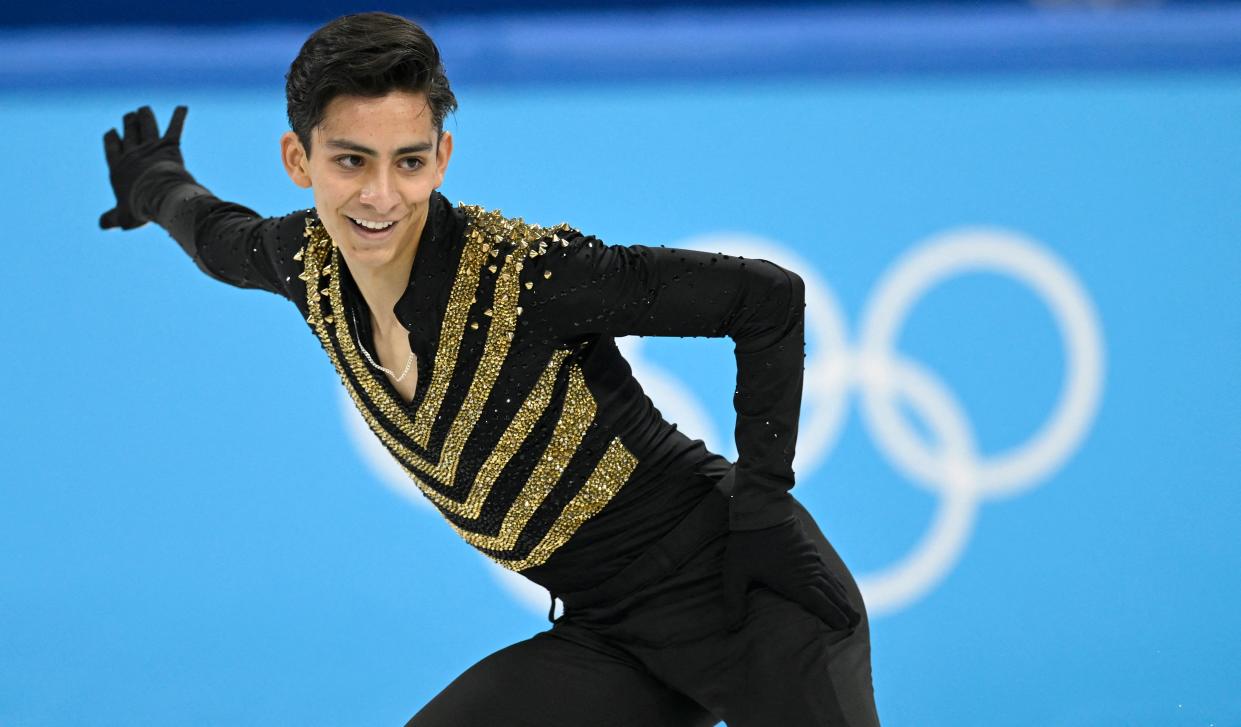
<point>783,558</point>
<point>130,157</point>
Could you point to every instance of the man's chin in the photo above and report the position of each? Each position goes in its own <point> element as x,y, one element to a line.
<point>367,253</point>
<point>371,254</point>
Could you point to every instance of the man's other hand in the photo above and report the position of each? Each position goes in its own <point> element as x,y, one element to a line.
<point>785,560</point>
<point>133,154</point>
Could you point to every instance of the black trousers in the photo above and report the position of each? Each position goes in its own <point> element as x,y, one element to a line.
<point>648,648</point>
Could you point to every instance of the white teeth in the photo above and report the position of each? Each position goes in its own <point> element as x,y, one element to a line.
<point>373,225</point>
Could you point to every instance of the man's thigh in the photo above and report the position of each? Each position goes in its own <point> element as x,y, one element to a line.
<point>850,656</point>
<point>793,670</point>
<point>797,670</point>
<point>551,681</point>
<point>784,666</point>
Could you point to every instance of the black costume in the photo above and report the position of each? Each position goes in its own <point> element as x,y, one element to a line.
<point>529,433</point>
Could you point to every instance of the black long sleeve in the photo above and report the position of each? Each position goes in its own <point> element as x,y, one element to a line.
<point>583,287</point>
<point>230,242</point>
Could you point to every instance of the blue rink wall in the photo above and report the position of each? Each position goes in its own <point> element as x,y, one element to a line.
<point>1021,423</point>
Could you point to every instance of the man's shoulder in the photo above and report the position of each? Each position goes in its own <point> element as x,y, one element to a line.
<point>299,220</point>
<point>496,227</point>
<point>285,234</point>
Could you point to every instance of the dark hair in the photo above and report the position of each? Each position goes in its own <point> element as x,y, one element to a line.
<point>366,54</point>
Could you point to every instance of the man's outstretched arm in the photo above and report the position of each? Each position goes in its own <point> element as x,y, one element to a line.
<point>228,241</point>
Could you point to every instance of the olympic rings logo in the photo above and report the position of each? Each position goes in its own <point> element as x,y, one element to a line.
<point>954,470</point>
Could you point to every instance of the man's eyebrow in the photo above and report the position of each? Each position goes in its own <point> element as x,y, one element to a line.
<point>351,146</point>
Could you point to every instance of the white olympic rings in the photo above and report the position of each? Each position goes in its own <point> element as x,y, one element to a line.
<point>956,471</point>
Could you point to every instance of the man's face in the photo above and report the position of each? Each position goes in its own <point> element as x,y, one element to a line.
<point>374,161</point>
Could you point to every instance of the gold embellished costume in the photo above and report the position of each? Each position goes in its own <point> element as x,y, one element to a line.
<point>527,428</point>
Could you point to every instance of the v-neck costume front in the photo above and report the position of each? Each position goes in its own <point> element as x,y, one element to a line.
<point>527,429</point>
<point>364,335</point>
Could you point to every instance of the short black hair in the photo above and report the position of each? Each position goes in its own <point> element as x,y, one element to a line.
<point>365,54</point>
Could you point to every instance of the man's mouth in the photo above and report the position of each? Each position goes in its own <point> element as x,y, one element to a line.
<point>373,229</point>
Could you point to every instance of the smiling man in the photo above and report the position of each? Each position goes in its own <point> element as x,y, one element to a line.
<point>481,351</point>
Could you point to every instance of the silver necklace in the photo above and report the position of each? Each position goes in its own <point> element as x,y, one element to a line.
<point>408,362</point>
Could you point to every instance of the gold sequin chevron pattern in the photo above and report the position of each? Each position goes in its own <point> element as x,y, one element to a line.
<point>495,247</point>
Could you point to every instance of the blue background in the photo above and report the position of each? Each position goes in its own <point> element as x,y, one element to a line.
<point>188,535</point>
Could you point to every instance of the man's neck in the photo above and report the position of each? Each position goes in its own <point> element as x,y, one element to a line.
<point>382,288</point>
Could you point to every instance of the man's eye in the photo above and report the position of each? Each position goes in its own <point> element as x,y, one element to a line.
<point>412,162</point>
<point>349,161</point>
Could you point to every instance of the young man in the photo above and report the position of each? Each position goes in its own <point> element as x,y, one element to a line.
<point>480,350</point>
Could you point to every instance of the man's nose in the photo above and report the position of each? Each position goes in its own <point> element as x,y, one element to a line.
<point>379,191</point>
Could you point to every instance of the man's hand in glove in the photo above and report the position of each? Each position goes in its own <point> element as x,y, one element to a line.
<point>785,560</point>
<point>129,157</point>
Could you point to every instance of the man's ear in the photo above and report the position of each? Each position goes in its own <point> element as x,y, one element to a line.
<point>296,162</point>
<point>443,152</point>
